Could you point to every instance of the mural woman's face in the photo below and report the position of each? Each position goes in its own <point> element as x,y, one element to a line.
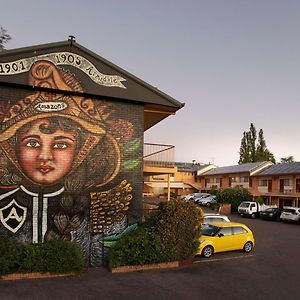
<point>46,157</point>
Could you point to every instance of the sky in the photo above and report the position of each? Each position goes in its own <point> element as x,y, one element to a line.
<point>232,62</point>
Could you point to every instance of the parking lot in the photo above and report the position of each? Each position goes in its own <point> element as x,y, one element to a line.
<point>271,271</point>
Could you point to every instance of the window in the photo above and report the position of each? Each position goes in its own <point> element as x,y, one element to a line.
<point>245,179</point>
<point>286,182</point>
<point>239,230</point>
<point>226,231</point>
<point>263,182</point>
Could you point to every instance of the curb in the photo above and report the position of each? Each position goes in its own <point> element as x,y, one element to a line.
<point>19,276</point>
<point>158,266</point>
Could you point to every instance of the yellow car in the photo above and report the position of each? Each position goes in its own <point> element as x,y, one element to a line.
<point>225,236</point>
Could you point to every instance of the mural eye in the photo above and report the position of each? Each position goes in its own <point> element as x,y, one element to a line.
<point>60,145</point>
<point>33,144</point>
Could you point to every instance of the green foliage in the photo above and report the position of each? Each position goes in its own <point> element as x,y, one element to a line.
<point>288,159</point>
<point>170,234</point>
<point>130,164</point>
<point>10,255</point>
<point>4,38</point>
<point>233,196</point>
<point>61,256</point>
<point>259,200</point>
<point>252,150</point>
<point>213,190</point>
<point>56,256</point>
<point>132,146</point>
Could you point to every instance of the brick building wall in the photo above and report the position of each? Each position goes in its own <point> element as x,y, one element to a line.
<point>98,194</point>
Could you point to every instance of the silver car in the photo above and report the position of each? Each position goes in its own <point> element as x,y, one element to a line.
<point>290,214</point>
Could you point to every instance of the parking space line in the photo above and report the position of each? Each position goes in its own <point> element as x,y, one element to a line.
<point>221,259</point>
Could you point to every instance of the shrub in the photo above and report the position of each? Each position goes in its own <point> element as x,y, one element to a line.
<point>259,200</point>
<point>56,256</point>
<point>10,254</point>
<point>213,190</point>
<point>171,233</point>
<point>233,196</point>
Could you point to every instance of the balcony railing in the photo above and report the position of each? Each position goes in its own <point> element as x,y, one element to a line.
<point>158,155</point>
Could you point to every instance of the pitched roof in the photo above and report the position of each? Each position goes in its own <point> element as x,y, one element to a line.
<point>189,167</point>
<point>101,78</point>
<point>243,168</point>
<point>280,169</point>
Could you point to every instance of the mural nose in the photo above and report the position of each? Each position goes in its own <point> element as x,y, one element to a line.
<point>45,154</point>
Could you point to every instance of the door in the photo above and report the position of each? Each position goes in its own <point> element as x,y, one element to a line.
<point>281,185</point>
<point>298,185</point>
<point>224,242</point>
<point>269,185</point>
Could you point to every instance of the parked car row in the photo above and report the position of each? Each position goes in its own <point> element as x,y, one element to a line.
<point>203,199</point>
<point>269,212</point>
<point>219,234</point>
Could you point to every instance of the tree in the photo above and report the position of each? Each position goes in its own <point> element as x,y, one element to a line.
<point>4,38</point>
<point>252,150</point>
<point>252,142</point>
<point>288,159</point>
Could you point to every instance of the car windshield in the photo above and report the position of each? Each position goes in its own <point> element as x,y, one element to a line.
<point>210,230</point>
<point>289,210</point>
<point>244,204</point>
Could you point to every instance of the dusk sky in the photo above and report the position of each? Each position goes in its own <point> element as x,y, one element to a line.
<point>232,62</point>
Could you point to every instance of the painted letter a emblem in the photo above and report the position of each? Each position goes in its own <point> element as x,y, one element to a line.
<point>13,215</point>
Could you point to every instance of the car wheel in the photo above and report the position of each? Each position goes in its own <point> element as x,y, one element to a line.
<point>253,216</point>
<point>208,204</point>
<point>248,247</point>
<point>207,251</point>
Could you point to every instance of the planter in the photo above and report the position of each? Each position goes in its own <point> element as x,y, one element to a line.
<point>18,276</point>
<point>158,266</point>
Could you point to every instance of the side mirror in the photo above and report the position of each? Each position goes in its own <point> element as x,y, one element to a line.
<point>220,235</point>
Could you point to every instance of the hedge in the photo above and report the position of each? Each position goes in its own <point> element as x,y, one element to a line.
<point>172,233</point>
<point>56,257</point>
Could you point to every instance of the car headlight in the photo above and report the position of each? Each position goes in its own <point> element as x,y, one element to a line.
<point>201,241</point>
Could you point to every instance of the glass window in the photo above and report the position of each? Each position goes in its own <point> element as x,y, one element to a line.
<point>263,182</point>
<point>290,210</point>
<point>245,179</point>
<point>210,230</point>
<point>226,231</point>
<point>239,230</point>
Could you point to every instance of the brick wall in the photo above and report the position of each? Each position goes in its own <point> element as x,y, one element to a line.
<point>101,191</point>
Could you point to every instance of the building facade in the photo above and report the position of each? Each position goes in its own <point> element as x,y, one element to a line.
<point>71,143</point>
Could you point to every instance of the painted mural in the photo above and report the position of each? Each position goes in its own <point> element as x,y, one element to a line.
<point>64,162</point>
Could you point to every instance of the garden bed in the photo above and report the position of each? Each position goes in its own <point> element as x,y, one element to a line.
<point>36,275</point>
<point>148,267</point>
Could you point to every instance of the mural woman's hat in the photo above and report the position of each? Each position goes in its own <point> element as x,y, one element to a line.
<point>42,105</point>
